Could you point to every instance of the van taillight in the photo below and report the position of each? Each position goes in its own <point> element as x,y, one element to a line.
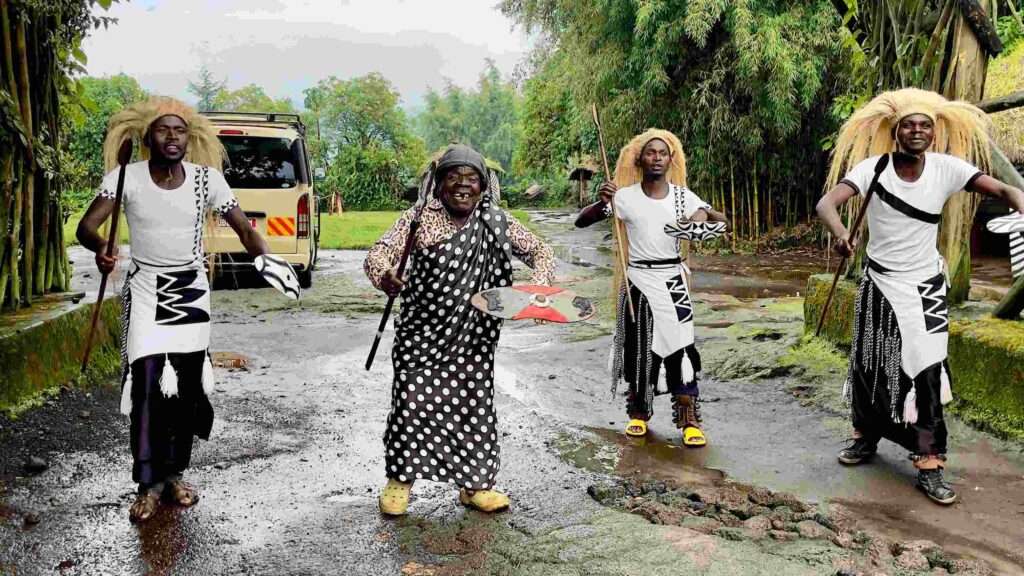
<point>302,217</point>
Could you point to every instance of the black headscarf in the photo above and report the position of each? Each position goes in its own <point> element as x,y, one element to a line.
<point>461,155</point>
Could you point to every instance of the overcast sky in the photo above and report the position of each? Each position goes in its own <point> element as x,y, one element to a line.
<point>286,46</point>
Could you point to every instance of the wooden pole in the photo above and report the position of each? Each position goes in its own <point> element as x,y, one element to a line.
<point>617,230</point>
<point>124,155</point>
<point>854,230</point>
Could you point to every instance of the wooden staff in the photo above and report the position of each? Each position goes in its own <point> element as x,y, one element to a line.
<point>879,168</point>
<point>616,222</point>
<point>124,155</point>
<point>426,189</point>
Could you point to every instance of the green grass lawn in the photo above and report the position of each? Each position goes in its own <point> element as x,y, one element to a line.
<point>359,230</point>
<point>348,231</point>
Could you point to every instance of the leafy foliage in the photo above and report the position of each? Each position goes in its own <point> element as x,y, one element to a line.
<point>206,88</point>
<point>364,136</point>
<point>250,98</point>
<point>485,118</point>
<point>86,127</point>
<point>745,84</point>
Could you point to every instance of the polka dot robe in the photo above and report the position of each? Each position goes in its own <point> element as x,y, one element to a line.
<point>442,425</point>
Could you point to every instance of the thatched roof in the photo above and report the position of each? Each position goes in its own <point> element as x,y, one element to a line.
<point>1005,76</point>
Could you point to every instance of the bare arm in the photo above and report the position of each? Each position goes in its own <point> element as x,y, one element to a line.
<point>254,244</point>
<point>599,210</point>
<point>88,233</point>
<point>828,212</point>
<point>989,186</point>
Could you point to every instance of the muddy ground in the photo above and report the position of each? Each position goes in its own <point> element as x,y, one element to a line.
<point>289,478</point>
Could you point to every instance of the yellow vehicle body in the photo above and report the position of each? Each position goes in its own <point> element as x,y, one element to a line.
<point>267,166</point>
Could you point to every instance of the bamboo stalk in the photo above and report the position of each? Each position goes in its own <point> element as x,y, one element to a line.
<point>28,184</point>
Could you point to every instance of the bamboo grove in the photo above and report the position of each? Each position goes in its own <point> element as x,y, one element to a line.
<point>40,51</point>
<point>756,89</point>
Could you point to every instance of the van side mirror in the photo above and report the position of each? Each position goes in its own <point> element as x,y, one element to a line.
<point>319,175</point>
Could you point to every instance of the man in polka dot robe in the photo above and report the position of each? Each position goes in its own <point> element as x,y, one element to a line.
<point>442,424</point>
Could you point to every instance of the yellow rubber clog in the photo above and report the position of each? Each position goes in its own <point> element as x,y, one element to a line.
<point>394,498</point>
<point>693,437</point>
<point>634,424</point>
<point>484,500</point>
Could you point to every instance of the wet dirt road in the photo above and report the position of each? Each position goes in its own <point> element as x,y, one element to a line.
<point>290,476</point>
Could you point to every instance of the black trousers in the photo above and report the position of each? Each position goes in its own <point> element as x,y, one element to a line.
<point>871,398</point>
<point>873,419</point>
<point>162,427</point>
<point>641,367</point>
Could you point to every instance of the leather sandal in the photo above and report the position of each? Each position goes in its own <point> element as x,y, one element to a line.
<point>182,494</point>
<point>144,507</point>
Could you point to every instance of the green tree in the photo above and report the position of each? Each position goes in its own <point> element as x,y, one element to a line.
<point>249,98</point>
<point>745,84</point>
<point>365,139</point>
<point>486,117</point>
<point>206,88</point>
<point>86,127</point>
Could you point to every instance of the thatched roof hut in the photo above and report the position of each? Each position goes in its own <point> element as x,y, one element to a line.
<point>1005,76</point>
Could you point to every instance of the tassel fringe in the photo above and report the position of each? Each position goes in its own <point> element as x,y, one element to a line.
<point>910,407</point>
<point>169,379</point>
<point>688,375</point>
<point>946,390</point>
<point>208,378</point>
<point>126,393</point>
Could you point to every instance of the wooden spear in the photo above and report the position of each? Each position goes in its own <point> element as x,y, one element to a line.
<point>426,190</point>
<point>616,222</point>
<point>883,161</point>
<point>124,155</point>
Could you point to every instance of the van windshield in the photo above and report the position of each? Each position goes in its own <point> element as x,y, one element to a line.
<point>259,162</point>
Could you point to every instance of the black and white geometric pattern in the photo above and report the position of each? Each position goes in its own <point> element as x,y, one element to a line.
<point>1017,254</point>
<point>174,290</point>
<point>933,301</point>
<point>681,298</point>
<point>695,231</point>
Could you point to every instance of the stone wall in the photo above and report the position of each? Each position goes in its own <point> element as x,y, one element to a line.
<point>38,357</point>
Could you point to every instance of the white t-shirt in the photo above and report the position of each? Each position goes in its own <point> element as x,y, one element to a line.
<point>167,225</point>
<point>645,220</point>
<point>904,220</point>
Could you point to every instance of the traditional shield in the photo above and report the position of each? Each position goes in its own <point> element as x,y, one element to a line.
<point>279,274</point>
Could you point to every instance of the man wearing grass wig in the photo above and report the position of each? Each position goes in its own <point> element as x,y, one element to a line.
<point>915,149</point>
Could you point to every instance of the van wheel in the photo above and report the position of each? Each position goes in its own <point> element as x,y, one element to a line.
<point>305,278</point>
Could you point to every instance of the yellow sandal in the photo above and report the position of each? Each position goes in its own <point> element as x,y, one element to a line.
<point>484,500</point>
<point>694,437</point>
<point>394,498</point>
<point>633,425</point>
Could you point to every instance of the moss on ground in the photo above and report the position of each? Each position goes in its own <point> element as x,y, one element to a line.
<point>36,361</point>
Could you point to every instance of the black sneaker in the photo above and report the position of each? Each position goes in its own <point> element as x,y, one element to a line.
<point>931,483</point>
<point>860,451</point>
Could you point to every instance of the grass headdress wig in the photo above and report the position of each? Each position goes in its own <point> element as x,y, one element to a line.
<point>133,122</point>
<point>627,169</point>
<point>961,129</point>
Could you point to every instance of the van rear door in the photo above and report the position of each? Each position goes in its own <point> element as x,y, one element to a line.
<point>263,172</point>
